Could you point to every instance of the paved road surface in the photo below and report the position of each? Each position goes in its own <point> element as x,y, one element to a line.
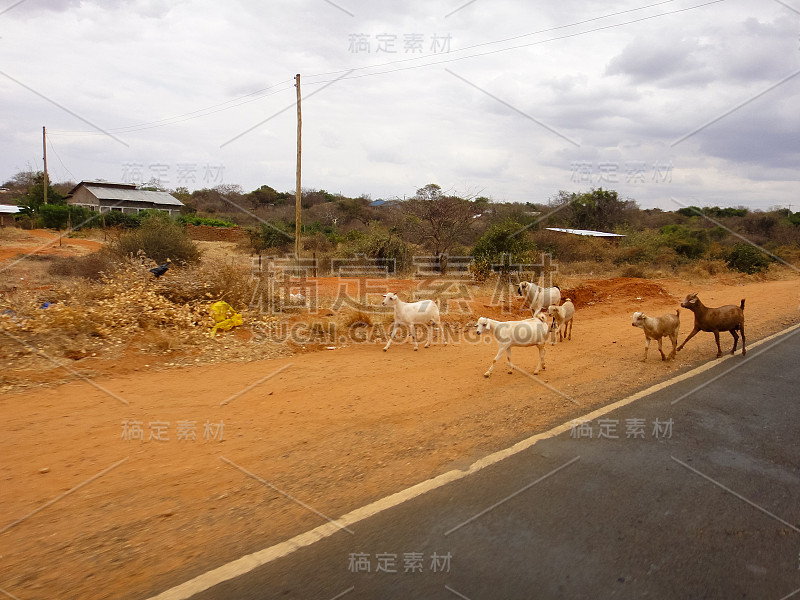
<point>707,509</point>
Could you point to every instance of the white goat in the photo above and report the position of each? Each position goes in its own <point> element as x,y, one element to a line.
<point>531,332</point>
<point>539,297</point>
<point>656,328</point>
<point>562,317</point>
<point>412,314</point>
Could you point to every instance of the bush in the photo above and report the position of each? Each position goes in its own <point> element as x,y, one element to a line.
<point>193,220</point>
<point>378,244</point>
<point>91,266</point>
<point>117,218</point>
<point>271,236</point>
<point>746,258</point>
<point>62,216</point>
<point>159,238</point>
<point>504,244</point>
<point>691,243</point>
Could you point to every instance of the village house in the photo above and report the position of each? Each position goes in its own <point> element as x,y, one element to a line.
<point>104,196</point>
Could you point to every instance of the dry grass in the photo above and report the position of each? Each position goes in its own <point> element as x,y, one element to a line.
<point>14,235</point>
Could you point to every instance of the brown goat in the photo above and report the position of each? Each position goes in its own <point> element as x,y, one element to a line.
<point>725,318</point>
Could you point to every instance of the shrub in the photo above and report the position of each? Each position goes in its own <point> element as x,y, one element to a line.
<point>691,243</point>
<point>378,244</point>
<point>92,266</point>
<point>271,236</point>
<point>117,218</point>
<point>193,220</point>
<point>159,238</point>
<point>503,244</point>
<point>746,258</point>
<point>62,216</point>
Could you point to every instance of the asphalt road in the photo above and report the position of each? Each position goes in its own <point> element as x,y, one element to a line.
<point>704,504</point>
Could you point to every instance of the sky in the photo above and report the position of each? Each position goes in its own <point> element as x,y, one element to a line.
<point>670,103</point>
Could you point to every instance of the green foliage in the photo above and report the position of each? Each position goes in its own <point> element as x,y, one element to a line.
<point>690,211</point>
<point>794,218</point>
<point>690,243</point>
<point>504,243</point>
<point>116,218</point>
<point>598,209</point>
<point>62,216</point>
<point>275,235</point>
<point>193,220</point>
<point>33,199</point>
<point>159,237</point>
<point>266,196</point>
<point>508,237</point>
<point>746,258</point>
<point>714,212</point>
<point>378,242</point>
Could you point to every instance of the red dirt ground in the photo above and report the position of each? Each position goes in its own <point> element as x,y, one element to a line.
<point>335,429</point>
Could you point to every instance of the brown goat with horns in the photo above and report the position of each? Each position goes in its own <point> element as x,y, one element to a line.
<point>725,318</point>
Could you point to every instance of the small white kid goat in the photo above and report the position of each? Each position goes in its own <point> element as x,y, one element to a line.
<point>656,328</point>
<point>562,320</point>
<point>412,314</point>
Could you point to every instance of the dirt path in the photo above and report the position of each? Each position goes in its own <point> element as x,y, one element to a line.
<point>333,429</point>
<point>44,241</point>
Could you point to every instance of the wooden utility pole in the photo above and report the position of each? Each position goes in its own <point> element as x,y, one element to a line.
<point>297,192</point>
<point>44,148</point>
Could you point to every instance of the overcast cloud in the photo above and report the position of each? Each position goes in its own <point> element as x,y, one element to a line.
<point>699,106</point>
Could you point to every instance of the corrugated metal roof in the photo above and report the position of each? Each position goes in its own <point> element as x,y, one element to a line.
<point>588,232</point>
<point>113,193</point>
<point>8,209</point>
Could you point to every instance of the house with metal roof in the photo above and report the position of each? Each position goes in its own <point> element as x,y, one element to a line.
<point>105,196</point>
<point>586,232</point>
<point>7,212</point>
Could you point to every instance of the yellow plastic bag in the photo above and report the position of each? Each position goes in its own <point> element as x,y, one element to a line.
<point>225,318</point>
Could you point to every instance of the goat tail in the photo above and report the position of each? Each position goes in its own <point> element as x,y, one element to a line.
<point>742,303</point>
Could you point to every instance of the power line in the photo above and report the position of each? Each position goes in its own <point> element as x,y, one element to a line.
<point>188,116</point>
<point>204,112</point>
<point>516,37</point>
<point>50,142</point>
<point>562,37</point>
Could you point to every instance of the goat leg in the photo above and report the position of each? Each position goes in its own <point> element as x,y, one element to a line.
<point>690,336</point>
<point>389,343</point>
<point>735,340</point>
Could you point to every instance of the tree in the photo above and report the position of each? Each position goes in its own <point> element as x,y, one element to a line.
<point>356,209</point>
<point>597,209</point>
<point>436,221</point>
<point>33,199</point>
<point>504,243</point>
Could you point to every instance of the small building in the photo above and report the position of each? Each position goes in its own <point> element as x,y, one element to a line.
<point>7,213</point>
<point>587,232</point>
<point>379,203</point>
<point>104,196</point>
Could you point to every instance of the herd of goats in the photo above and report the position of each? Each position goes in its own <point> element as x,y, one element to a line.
<point>545,304</point>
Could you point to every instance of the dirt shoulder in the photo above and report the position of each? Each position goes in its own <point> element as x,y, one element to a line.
<point>91,511</point>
